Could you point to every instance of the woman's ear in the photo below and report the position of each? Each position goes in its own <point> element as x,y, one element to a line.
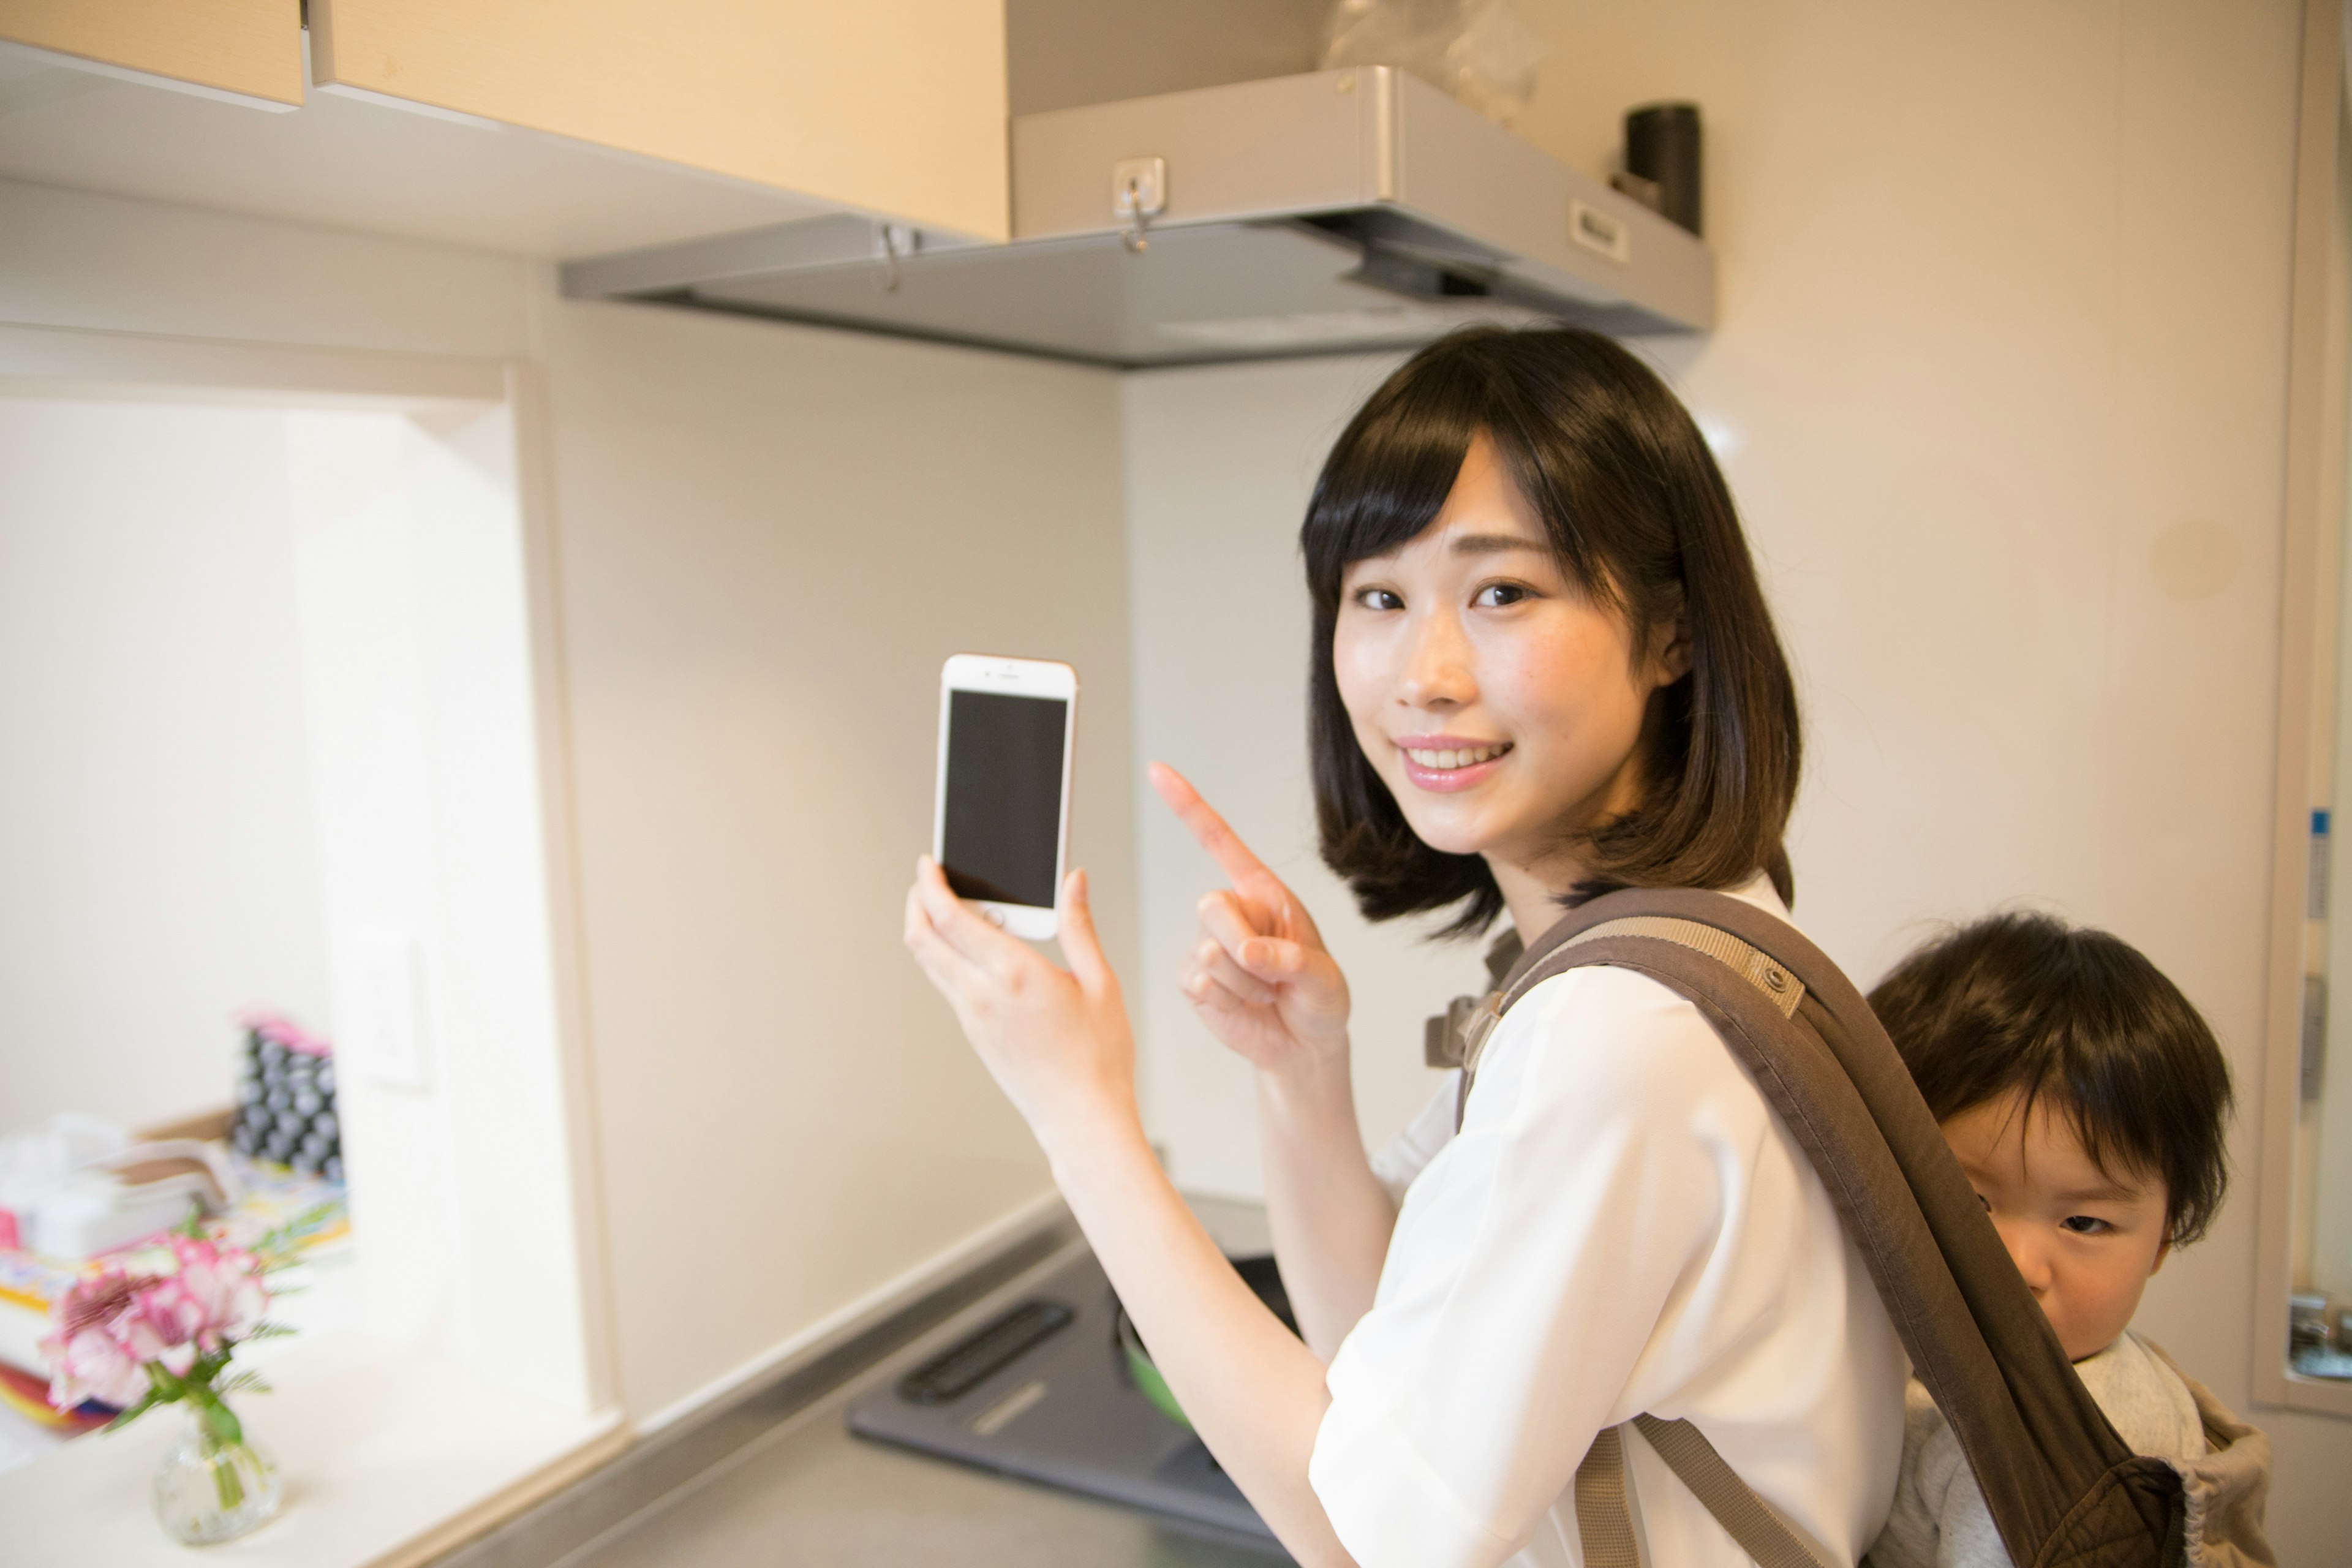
<point>1673,656</point>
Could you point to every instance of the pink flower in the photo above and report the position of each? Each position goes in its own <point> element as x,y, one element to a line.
<point>92,1364</point>
<point>216,1297</point>
<point>87,1359</point>
<point>166,1304</point>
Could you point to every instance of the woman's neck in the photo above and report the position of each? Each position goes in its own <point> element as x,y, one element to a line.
<point>1532,893</point>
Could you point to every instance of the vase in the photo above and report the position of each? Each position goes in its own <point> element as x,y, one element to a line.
<point>213,1487</point>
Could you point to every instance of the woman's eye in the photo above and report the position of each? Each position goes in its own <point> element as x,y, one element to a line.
<point>1378,599</point>
<point>2085,1225</point>
<point>1495,595</point>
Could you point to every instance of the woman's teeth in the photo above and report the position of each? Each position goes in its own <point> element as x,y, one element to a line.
<point>1455,759</point>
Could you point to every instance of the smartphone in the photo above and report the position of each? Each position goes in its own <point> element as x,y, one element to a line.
<point>1001,827</point>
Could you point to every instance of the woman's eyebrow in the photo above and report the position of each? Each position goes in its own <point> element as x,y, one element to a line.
<point>1490,543</point>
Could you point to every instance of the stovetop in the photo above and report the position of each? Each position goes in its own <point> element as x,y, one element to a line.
<point>1042,1391</point>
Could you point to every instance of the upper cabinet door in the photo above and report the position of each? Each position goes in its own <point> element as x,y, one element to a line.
<point>897,107</point>
<point>249,48</point>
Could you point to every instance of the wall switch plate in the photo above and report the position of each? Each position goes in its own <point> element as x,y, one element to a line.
<point>380,1009</point>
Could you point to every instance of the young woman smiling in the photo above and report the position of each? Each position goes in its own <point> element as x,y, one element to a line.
<point>1542,667</point>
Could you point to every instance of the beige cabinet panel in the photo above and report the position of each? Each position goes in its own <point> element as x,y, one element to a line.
<point>249,47</point>
<point>895,106</point>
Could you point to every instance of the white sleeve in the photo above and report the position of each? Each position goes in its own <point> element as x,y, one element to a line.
<point>1530,1267</point>
<point>1406,1155</point>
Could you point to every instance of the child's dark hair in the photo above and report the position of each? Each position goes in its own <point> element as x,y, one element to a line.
<point>2023,1004</point>
<point>1640,520</point>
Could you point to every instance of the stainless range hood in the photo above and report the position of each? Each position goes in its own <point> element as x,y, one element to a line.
<point>1332,211</point>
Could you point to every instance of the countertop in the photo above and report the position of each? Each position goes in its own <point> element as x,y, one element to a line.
<point>804,1490</point>
<point>384,1448</point>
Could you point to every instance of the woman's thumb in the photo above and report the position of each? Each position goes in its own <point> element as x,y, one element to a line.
<point>1079,944</point>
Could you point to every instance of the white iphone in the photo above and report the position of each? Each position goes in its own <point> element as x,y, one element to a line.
<point>1001,827</point>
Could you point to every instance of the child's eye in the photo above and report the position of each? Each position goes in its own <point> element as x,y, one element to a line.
<point>1495,595</point>
<point>1378,599</point>
<point>2085,1225</point>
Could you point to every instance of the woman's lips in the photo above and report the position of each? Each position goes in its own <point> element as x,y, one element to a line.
<point>1426,760</point>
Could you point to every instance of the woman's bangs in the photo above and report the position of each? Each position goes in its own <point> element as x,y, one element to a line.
<point>1389,475</point>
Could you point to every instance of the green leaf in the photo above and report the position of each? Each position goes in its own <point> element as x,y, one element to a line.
<point>278,1245</point>
<point>192,1227</point>
<point>134,1411</point>
<point>266,1330</point>
<point>244,1381</point>
<point>222,1422</point>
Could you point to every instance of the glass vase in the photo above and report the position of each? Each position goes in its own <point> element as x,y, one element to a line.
<point>211,1488</point>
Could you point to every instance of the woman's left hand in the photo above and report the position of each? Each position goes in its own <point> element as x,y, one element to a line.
<point>1056,1040</point>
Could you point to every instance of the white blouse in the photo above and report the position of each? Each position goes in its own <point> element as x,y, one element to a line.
<point>1621,1224</point>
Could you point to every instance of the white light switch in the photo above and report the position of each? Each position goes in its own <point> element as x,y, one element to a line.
<point>380,1010</point>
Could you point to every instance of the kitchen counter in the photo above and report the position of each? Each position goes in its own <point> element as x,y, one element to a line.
<point>386,1451</point>
<point>801,1490</point>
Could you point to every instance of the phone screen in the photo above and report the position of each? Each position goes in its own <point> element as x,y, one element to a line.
<point>1003,818</point>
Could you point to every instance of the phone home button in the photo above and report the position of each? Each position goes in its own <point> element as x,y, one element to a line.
<point>995,917</point>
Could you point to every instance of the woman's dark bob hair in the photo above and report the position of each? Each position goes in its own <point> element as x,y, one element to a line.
<point>1640,518</point>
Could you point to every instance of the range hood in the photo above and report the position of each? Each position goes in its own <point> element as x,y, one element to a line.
<point>1332,211</point>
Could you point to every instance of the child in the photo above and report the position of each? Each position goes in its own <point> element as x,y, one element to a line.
<point>2086,1101</point>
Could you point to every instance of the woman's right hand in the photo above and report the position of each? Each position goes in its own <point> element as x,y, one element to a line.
<point>1259,975</point>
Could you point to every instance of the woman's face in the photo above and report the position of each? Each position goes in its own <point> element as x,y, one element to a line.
<point>1500,703</point>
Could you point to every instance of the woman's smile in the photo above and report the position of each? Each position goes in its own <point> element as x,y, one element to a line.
<point>1448,762</point>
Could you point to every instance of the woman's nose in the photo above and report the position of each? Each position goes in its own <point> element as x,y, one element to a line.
<point>1437,667</point>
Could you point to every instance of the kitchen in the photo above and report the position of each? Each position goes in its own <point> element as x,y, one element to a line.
<point>2000,375</point>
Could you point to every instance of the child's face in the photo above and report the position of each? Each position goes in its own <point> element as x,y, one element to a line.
<point>2085,1241</point>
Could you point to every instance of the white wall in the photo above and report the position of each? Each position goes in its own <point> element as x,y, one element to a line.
<point>2006,426</point>
<point>771,538</point>
<point>158,866</point>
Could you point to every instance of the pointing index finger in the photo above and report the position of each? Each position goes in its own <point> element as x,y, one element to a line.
<point>1224,845</point>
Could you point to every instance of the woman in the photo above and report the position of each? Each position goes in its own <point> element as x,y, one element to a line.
<point>1542,667</point>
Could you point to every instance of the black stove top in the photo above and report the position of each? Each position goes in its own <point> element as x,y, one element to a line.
<point>1044,1391</point>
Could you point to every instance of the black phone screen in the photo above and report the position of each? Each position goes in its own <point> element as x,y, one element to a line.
<point>1003,818</point>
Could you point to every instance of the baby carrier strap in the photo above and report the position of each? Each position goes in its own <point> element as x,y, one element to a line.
<point>2062,1487</point>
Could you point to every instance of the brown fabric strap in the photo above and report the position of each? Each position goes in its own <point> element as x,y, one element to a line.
<point>1745,1516</point>
<point>1753,964</point>
<point>1603,1522</point>
<point>1604,1517</point>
